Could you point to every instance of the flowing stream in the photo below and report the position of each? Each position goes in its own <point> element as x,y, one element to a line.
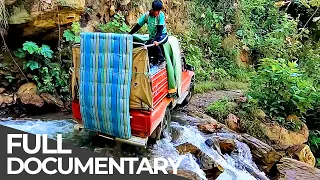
<point>237,166</point>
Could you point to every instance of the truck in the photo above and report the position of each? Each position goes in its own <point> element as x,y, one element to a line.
<point>151,104</point>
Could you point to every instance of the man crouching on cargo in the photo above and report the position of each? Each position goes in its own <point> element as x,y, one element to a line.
<point>155,19</point>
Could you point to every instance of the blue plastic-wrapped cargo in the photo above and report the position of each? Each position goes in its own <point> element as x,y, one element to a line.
<point>105,79</point>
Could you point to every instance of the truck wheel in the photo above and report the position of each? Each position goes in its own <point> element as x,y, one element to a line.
<point>166,124</point>
<point>190,94</point>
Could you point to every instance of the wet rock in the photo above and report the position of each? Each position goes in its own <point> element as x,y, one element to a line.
<point>188,148</point>
<point>209,165</point>
<point>226,145</point>
<point>296,170</point>
<point>281,139</point>
<point>264,155</point>
<point>27,94</point>
<point>302,153</point>
<point>232,122</point>
<point>52,100</point>
<point>176,134</point>
<point>208,127</point>
<point>186,174</point>
<point>213,143</point>
<point>2,90</point>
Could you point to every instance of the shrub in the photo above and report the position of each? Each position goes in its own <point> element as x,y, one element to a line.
<point>38,61</point>
<point>282,89</point>
<point>221,109</point>
<point>117,25</point>
<point>73,35</point>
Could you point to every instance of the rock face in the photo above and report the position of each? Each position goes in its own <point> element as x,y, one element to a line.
<point>281,138</point>
<point>302,153</point>
<point>42,19</point>
<point>27,94</point>
<point>264,154</point>
<point>291,169</point>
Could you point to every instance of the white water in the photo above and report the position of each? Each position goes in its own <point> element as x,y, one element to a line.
<point>190,134</point>
<point>233,170</point>
<point>52,128</point>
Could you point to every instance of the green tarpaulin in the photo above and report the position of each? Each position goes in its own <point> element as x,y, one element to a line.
<point>173,59</point>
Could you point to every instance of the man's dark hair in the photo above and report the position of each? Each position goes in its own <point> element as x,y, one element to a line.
<point>157,5</point>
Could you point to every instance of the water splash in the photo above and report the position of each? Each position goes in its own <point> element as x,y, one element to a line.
<point>52,128</point>
<point>190,134</point>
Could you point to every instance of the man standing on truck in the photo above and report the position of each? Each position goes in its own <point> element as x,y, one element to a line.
<point>155,19</point>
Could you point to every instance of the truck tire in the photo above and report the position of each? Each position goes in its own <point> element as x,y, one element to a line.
<point>190,94</point>
<point>165,127</point>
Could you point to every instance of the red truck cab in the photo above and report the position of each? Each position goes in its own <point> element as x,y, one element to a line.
<point>152,123</point>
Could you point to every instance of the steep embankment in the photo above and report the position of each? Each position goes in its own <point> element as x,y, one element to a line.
<point>39,38</point>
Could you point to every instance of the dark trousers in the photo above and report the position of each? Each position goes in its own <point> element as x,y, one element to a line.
<point>156,52</point>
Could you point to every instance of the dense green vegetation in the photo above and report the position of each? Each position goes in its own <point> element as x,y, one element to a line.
<point>282,77</point>
<point>268,48</point>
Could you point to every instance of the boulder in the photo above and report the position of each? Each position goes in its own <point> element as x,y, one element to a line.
<point>206,162</point>
<point>281,139</point>
<point>27,94</point>
<point>264,155</point>
<point>232,122</point>
<point>2,90</point>
<point>302,153</point>
<point>186,174</point>
<point>52,100</point>
<point>296,170</point>
<point>188,148</point>
<point>176,134</point>
<point>6,99</point>
<point>209,165</point>
<point>208,127</point>
<point>226,145</point>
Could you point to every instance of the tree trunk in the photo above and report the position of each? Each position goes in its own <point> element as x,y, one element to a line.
<point>291,169</point>
<point>264,155</point>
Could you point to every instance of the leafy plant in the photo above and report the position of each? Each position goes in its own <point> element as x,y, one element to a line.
<point>50,76</point>
<point>314,144</point>
<point>117,25</point>
<point>221,109</point>
<point>281,88</point>
<point>73,34</point>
